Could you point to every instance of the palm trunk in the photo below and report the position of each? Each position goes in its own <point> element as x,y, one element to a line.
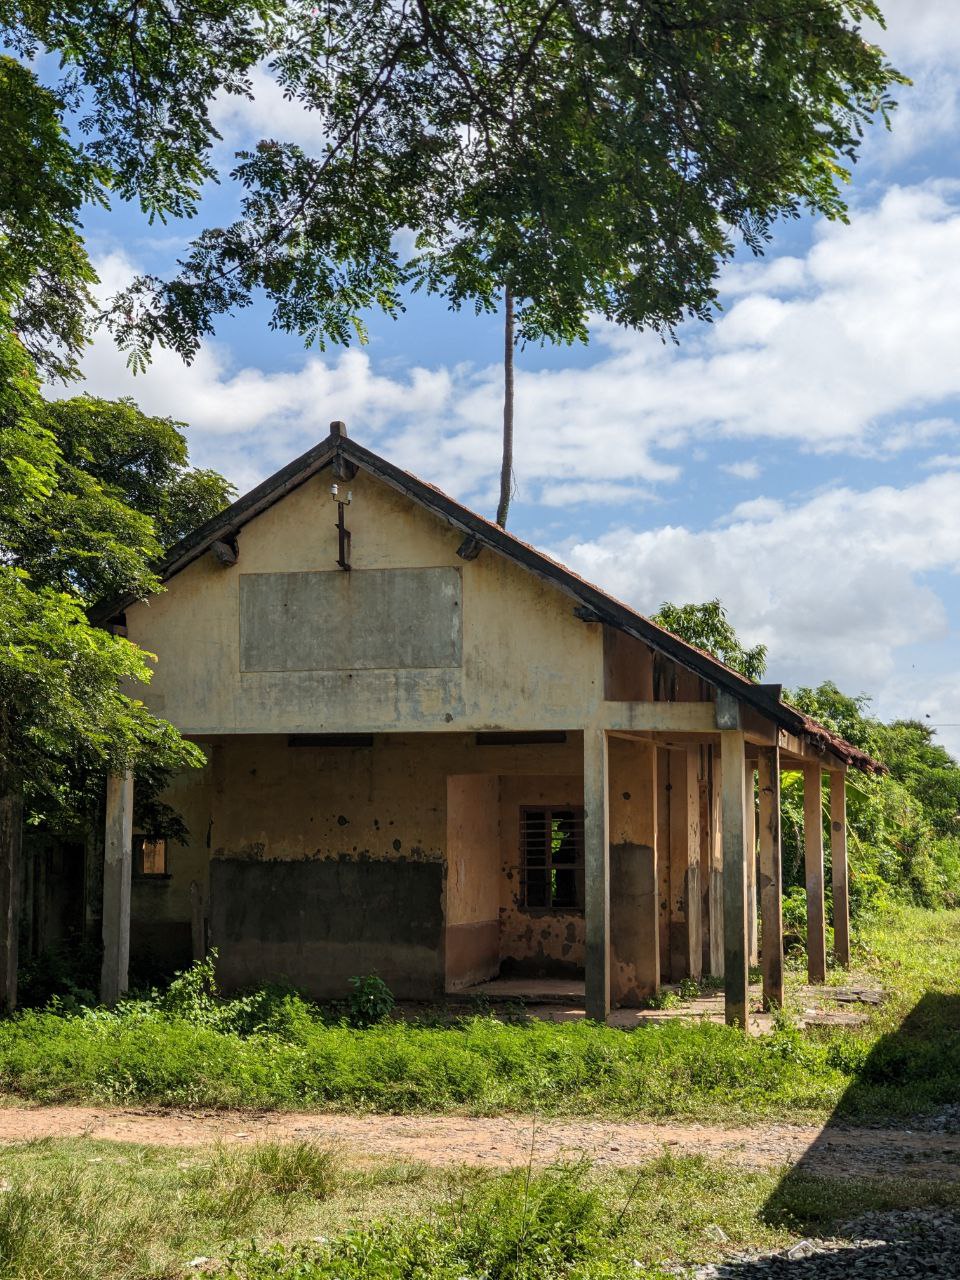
<point>506,464</point>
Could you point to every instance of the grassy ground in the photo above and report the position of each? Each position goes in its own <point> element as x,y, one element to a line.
<point>275,1051</point>
<point>83,1210</point>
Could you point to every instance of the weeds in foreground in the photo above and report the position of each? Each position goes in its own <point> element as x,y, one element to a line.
<point>79,1209</point>
<point>272,1049</point>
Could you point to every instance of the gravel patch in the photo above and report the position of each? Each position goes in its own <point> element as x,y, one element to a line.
<point>897,1245</point>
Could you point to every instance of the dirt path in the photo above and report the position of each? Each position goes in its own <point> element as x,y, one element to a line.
<point>505,1142</point>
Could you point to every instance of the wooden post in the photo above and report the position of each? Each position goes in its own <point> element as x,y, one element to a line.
<point>715,888</point>
<point>596,840</point>
<point>11,859</point>
<point>813,863</point>
<point>771,877</point>
<point>838,861</point>
<point>736,986</point>
<point>117,859</point>
<point>750,839</point>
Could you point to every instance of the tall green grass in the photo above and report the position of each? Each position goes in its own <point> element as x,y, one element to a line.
<point>80,1209</point>
<point>185,1047</point>
<point>481,1066</point>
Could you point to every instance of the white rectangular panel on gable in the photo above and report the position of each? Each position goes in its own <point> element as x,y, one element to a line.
<point>364,620</point>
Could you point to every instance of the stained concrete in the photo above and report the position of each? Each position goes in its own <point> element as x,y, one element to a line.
<point>400,619</point>
<point>318,923</point>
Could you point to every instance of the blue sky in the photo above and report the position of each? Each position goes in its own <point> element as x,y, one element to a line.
<point>799,458</point>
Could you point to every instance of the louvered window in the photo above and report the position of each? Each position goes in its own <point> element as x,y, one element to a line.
<point>551,854</point>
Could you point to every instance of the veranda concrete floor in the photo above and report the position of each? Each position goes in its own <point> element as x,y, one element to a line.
<point>562,1000</point>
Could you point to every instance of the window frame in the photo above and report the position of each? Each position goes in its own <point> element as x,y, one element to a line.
<point>577,866</point>
<point>139,840</point>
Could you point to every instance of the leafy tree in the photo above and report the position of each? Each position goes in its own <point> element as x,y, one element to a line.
<point>142,461</point>
<point>706,626</point>
<point>571,157</point>
<point>67,536</point>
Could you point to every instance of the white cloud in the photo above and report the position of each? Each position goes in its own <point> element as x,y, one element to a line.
<point>922,39</point>
<point>267,114</point>
<point>862,361</point>
<point>745,470</point>
<point>570,493</point>
<point>833,585</point>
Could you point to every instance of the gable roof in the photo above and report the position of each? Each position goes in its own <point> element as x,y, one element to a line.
<point>592,603</point>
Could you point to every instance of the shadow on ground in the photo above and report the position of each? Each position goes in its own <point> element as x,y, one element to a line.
<point>909,1079</point>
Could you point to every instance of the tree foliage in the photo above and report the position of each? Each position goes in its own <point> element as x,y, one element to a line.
<point>70,534</point>
<point>599,156</point>
<point>706,626</point>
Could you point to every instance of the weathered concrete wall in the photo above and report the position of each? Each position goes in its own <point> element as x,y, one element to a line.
<point>365,620</point>
<point>523,661</point>
<point>473,879</point>
<point>535,943</point>
<point>319,922</point>
<point>262,801</point>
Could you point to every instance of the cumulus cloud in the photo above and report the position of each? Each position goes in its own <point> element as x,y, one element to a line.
<point>745,470</point>
<point>852,349</point>
<point>834,585</point>
<point>268,113</point>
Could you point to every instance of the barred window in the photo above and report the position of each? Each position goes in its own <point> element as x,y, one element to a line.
<point>551,858</point>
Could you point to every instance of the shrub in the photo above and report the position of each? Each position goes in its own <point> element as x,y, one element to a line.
<point>371,1001</point>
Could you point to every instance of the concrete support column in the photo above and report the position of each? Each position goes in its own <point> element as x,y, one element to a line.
<point>11,861</point>
<point>117,858</point>
<point>634,900</point>
<point>838,862</point>
<point>596,839</point>
<point>750,838</point>
<point>715,886</point>
<point>735,947</point>
<point>771,876</point>
<point>663,861</point>
<point>686,957</point>
<point>813,866</point>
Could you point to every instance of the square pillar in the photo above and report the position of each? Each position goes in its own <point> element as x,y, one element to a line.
<point>838,864</point>
<point>117,871</point>
<point>596,851</point>
<point>750,837</point>
<point>715,880</point>
<point>663,860</point>
<point>686,957</point>
<point>813,866</point>
<point>634,897</point>
<point>735,943</point>
<point>771,877</point>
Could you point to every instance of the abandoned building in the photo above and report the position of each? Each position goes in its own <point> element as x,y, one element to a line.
<point>436,754</point>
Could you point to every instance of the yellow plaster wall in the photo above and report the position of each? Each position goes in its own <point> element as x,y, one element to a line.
<point>527,661</point>
<point>259,798</point>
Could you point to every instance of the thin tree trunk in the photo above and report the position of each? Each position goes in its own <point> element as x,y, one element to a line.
<point>506,464</point>
<point>11,837</point>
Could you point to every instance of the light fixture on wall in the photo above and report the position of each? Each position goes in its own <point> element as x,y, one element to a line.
<point>343,533</point>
